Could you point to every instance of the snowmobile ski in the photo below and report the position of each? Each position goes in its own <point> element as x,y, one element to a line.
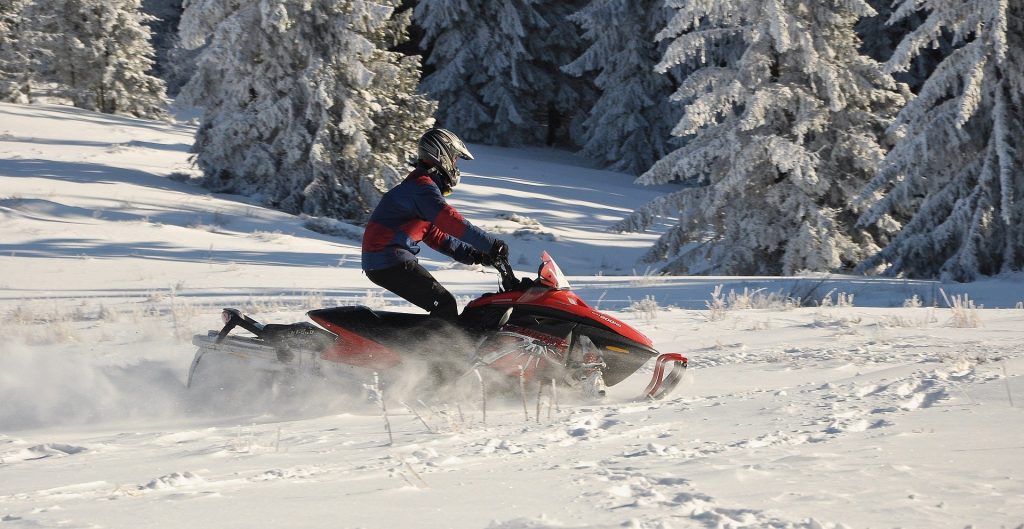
<point>662,385</point>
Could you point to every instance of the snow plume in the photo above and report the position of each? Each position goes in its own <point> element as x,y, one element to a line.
<point>46,387</point>
<point>441,356</point>
<point>227,386</point>
<point>39,389</point>
<point>433,360</point>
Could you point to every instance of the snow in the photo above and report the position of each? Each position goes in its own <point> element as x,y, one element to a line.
<point>868,408</point>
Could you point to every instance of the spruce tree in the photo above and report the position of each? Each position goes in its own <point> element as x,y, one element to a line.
<point>629,126</point>
<point>951,192</point>
<point>564,99</point>
<point>99,55</point>
<point>172,63</point>
<point>496,67</point>
<point>303,106</point>
<point>400,115</point>
<point>881,35</point>
<point>16,43</point>
<point>783,124</point>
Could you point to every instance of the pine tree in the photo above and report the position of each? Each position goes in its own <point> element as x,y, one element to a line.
<point>564,99</point>
<point>782,124</point>
<point>950,191</point>
<point>303,106</point>
<point>400,115</point>
<point>881,34</point>
<point>496,67</point>
<point>16,61</point>
<point>173,64</point>
<point>629,126</point>
<point>99,56</point>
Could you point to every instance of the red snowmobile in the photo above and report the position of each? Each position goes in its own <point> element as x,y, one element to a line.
<point>532,331</point>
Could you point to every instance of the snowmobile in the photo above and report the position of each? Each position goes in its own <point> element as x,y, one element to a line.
<point>531,331</point>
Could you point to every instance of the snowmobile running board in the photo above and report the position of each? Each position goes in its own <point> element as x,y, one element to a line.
<point>662,385</point>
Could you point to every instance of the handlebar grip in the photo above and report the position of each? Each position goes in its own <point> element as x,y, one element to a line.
<point>508,277</point>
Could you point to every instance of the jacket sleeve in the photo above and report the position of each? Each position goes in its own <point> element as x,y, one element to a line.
<point>448,245</point>
<point>431,206</point>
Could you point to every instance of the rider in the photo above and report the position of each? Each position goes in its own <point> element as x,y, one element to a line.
<point>415,210</point>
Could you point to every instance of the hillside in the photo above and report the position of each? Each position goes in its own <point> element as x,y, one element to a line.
<point>882,403</point>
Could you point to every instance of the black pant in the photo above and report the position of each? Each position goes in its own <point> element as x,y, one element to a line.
<point>415,284</point>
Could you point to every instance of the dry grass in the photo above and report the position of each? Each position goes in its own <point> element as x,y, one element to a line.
<point>965,313</point>
<point>720,304</point>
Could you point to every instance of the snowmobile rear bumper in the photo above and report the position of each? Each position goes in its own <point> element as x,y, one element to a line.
<point>255,353</point>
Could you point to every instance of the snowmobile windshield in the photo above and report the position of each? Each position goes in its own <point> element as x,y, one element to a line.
<point>550,275</point>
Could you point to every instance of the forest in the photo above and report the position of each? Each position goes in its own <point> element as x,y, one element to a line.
<point>849,136</point>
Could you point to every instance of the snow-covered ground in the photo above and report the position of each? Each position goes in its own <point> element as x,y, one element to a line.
<point>885,403</point>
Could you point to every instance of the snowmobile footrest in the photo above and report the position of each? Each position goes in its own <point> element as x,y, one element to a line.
<point>662,385</point>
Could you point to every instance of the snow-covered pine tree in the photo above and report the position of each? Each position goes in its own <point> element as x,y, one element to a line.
<point>565,98</point>
<point>302,105</point>
<point>952,189</point>
<point>400,115</point>
<point>15,52</point>
<point>629,126</point>
<point>881,34</point>
<point>173,64</point>
<point>99,56</point>
<point>496,66</point>
<point>783,124</point>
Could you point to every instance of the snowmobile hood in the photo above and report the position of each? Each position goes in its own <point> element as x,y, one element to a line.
<point>566,302</point>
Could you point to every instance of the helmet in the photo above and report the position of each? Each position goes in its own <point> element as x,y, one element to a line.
<point>439,148</point>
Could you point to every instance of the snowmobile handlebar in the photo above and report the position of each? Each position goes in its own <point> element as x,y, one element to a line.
<point>509,281</point>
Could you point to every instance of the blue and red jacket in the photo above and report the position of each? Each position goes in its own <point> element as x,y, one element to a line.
<point>415,211</point>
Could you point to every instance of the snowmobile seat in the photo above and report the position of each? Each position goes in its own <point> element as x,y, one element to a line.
<point>368,322</point>
<point>391,329</point>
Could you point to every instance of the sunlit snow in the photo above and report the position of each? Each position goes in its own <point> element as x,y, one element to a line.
<point>878,403</point>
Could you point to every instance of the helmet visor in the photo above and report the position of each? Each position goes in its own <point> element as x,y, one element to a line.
<point>459,149</point>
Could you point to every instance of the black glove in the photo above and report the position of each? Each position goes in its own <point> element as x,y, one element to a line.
<point>480,258</point>
<point>499,251</point>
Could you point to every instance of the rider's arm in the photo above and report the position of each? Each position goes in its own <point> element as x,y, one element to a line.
<point>432,207</point>
<point>448,245</point>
